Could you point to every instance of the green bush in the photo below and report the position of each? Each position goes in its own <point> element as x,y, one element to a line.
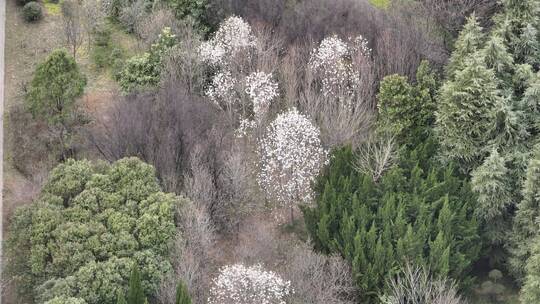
<point>104,53</point>
<point>87,229</point>
<point>32,11</point>
<point>193,9</point>
<point>145,70</point>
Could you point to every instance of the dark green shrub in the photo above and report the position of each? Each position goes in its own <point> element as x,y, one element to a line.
<point>32,11</point>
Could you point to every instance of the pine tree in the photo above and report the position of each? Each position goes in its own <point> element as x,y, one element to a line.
<point>526,219</point>
<point>182,295</point>
<point>467,114</point>
<point>135,293</point>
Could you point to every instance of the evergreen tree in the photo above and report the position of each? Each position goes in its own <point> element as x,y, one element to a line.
<point>530,293</point>
<point>528,46</point>
<point>469,41</point>
<point>406,111</point>
<point>491,183</point>
<point>182,294</point>
<point>121,299</point>
<point>519,25</point>
<point>497,58</point>
<point>135,293</point>
<point>530,103</point>
<point>526,220</point>
<point>417,212</point>
<point>55,86</point>
<point>467,114</point>
<point>52,93</point>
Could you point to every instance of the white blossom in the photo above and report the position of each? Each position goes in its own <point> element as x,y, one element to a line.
<point>291,157</point>
<point>245,128</point>
<point>332,62</point>
<point>222,89</point>
<point>239,284</point>
<point>233,37</point>
<point>261,89</point>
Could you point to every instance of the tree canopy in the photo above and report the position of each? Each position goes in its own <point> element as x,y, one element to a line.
<point>90,225</point>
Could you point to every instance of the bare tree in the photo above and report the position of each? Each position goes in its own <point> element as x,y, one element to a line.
<point>93,18</point>
<point>191,255</point>
<point>346,115</point>
<point>376,155</point>
<point>72,22</point>
<point>319,279</point>
<point>450,15</point>
<point>416,286</point>
<point>132,14</point>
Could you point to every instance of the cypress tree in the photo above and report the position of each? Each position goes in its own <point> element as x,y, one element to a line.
<point>135,293</point>
<point>416,212</point>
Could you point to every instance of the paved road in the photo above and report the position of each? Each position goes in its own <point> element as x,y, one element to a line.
<point>2,47</point>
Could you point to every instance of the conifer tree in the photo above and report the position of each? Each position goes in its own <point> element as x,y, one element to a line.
<point>406,111</point>
<point>497,57</point>
<point>530,292</point>
<point>121,299</point>
<point>526,220</point>
<point>469,41</point>
<point>53,91</point>
<point>467,113</point>
<point>528,45</point>
<point>182,295</point>
<point>531,105</point>
<point>135,293</point>
<point>416,211</point>
<point>519,26</point>
<point>491,183</point>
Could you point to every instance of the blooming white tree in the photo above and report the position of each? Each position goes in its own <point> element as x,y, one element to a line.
<point>234,37</point>
<point>333,63</point>
<point>239,284</point>
<point>261,89</point>
<point>221,91</point>
<point>291,156</point>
